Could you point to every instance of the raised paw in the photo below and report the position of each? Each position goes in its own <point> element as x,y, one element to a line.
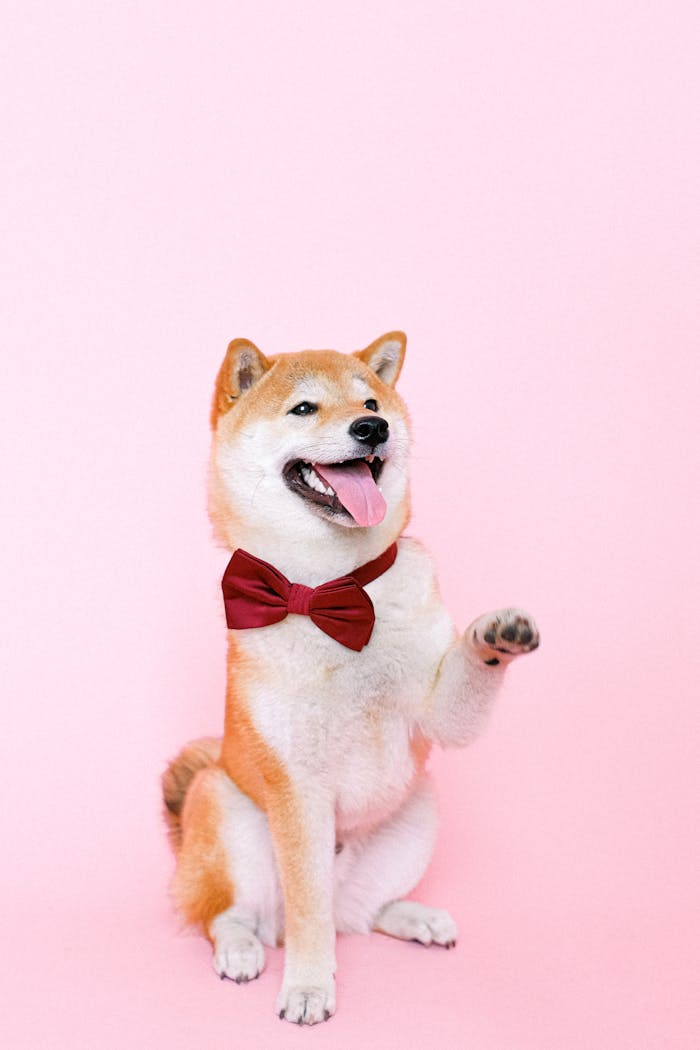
<point>412,921</point>
<point>238,954</point>
<point>306,1005</point>
<point>500,636</point>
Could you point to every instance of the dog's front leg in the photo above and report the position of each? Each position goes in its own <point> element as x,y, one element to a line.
<point>471,673</point>
<point>302,822</point>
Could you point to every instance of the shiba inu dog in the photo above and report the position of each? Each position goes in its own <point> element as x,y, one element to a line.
<point>314,813</point>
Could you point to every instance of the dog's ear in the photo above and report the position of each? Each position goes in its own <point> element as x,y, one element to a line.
<point>385,356</point>
<point>243,365</point>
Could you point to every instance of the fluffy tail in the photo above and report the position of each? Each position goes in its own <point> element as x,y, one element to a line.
<point>176,779</point>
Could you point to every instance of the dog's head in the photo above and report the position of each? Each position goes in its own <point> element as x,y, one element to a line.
<point>310,448</point>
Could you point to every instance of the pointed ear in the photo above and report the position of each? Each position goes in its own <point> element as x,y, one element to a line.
<point>241,368</point>
<point>385,356</point>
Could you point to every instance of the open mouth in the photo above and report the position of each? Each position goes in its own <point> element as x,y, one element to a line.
<point>347,488</point>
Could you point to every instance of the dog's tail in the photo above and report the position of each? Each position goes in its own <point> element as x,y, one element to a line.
<point>176,779</point>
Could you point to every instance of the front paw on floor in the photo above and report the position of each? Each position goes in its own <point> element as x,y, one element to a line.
<point>306,1005</point>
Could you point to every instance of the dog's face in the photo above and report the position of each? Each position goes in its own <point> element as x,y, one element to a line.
<point>308,446</point>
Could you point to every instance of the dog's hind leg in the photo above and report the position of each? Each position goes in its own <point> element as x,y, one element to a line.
<point>374,874</point>
<point>225,880</point>
<point>412,921</point>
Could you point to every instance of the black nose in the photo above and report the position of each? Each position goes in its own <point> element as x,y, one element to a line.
<point>370,430</point>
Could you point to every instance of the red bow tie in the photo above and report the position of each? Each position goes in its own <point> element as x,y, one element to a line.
<point>256,594</point>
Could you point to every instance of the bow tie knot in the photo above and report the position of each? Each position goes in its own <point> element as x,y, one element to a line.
<point>256,594</point>
<point>299,600</point>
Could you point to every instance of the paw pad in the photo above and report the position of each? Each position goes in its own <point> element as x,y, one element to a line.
<point>508,632</point>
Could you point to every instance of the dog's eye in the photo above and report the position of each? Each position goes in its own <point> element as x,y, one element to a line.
<point>371,405</point>
<point>304,408</point>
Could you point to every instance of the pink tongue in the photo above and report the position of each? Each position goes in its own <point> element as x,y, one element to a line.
<point>356,489</point>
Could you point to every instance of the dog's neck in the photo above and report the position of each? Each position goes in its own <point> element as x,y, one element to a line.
<point>332,552</point>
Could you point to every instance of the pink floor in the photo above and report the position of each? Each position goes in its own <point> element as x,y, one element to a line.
<point>524,977</point>
<point>577,930</point>
<point>530,979</point>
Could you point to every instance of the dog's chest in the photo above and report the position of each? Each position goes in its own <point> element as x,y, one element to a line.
<point>350,717</point>
<point>348,720</point>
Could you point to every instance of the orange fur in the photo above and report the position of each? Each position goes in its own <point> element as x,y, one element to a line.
<point>245,756</point>
<point>177,778</point>
<point>420,749</point>
<point>202,887</point>
<point>228,387</point>
<point>280,377</point>
<point>372,356</point>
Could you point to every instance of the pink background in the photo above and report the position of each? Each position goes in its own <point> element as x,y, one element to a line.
<point>515,185</point>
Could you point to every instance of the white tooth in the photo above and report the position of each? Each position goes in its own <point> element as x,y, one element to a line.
<point>370,457</point>
<point>312,479</point>
<point>315,482</point>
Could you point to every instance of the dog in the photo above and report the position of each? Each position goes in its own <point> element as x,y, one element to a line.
<point>314,813</point>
